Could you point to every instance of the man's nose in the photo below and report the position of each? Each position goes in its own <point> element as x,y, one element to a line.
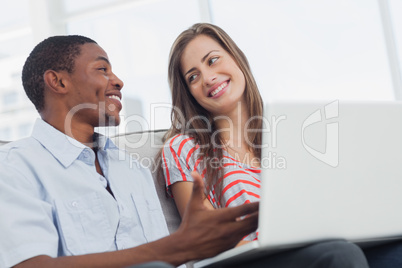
<point>117,82</point>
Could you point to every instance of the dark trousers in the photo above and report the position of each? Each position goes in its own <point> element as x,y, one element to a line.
<point>385,256</point>
<point>155,264</point>
<point>331,254</point>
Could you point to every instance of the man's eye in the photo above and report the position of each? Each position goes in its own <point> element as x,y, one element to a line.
<point>192,77</point>
<point>102,69</point>
<point>212,60</point>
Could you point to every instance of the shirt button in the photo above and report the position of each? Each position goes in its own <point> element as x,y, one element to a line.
<point>74,204</point>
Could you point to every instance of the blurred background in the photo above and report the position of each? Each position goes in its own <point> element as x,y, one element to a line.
<point>298,49</point>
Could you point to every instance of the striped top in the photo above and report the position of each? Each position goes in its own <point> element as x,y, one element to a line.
<point>241,183</point>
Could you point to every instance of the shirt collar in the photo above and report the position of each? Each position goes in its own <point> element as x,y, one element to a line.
<point>104,143</point>
<point>64,148</point>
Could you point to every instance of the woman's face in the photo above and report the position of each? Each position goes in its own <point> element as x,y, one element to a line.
<point>213,77</point>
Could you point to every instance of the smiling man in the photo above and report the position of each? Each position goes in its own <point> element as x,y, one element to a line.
<point>67,200</point>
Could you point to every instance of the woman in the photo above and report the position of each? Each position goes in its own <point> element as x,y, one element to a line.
<point>216,134</point>
<point>215,121</point>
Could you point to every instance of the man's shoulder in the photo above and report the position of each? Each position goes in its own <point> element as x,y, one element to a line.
<point>18,156</point>
<point>22,146</point>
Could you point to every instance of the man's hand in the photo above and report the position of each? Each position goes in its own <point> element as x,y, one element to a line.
<point>205,233</point>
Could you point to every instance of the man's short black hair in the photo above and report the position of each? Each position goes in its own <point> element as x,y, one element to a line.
<point>54,53</point>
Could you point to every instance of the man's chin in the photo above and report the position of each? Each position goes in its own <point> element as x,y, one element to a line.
<point>111,121</point>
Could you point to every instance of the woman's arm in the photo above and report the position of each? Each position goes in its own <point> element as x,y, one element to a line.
<point>181,192</point>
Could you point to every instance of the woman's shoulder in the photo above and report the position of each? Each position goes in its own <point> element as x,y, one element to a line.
<point>182,147</point>
<point>180,141</point>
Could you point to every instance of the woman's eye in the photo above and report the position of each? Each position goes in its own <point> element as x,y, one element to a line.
<point>192,77</point>
<point>212,60</point>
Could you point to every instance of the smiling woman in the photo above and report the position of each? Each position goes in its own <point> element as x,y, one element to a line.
<point>217,106</point>
<point>213,77</point>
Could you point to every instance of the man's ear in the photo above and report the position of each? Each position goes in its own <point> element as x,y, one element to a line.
<point>55,81</point>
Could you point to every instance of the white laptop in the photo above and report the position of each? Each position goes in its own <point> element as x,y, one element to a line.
<point>332,170</point>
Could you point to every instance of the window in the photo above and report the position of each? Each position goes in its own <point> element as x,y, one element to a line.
<point>138,38</point>
<point>72,6</point>
<point>395,8</point>
<point>25,129</point>
<point>10,98</point>
<point>311,49</point>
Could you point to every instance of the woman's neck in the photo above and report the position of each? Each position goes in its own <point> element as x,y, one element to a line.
<point>232,127</point>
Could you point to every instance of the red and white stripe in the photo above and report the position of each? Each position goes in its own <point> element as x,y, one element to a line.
<point>240,183</point>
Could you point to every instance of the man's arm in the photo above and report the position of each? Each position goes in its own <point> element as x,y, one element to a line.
<point>203,233</point>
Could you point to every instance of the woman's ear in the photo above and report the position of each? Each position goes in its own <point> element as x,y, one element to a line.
<point>55,81</point>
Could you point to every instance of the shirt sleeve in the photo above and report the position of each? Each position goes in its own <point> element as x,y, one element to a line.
<point>179,159</point>
<point>26,225</point>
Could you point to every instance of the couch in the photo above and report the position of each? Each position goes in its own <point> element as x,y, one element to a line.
<point>144,146</point>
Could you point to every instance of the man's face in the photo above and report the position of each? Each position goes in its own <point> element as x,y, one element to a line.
<point>94,96</point>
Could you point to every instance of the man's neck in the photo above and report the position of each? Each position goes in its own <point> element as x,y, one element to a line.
<point>84,133</point>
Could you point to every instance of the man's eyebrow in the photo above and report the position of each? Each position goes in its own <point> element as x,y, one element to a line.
<point>101,58</point>
<point>202,60</point>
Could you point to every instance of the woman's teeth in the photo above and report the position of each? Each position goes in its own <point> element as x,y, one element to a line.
<point>216,91</point>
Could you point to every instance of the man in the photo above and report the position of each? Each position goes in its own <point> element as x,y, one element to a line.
<point>67,200</point>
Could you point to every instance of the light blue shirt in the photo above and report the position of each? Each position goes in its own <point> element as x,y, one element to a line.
<point>53,202</point>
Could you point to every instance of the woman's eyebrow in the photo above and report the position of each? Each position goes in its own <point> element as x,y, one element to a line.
<point>206,56</point>
<point>202,60</point>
